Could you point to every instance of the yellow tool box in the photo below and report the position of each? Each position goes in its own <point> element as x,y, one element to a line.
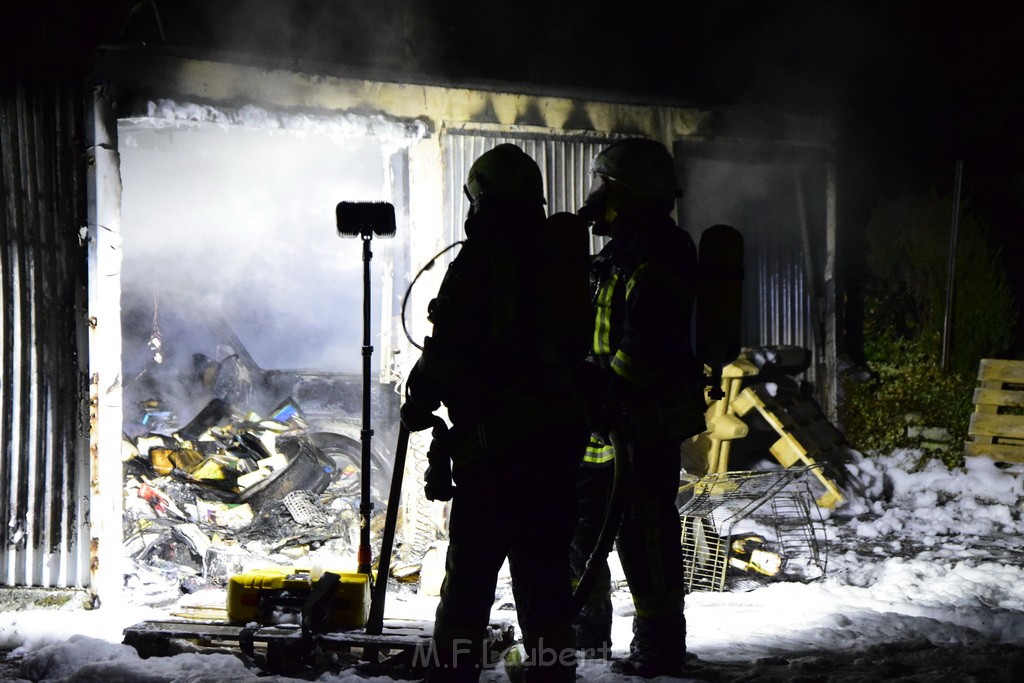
<point>277,595</point>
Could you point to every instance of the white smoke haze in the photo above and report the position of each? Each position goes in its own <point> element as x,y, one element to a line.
<point>237,208</point>
<point>770,200</point>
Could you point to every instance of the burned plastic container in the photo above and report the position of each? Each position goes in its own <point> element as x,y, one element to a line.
<point>308,469</point>
<point>216,413</point>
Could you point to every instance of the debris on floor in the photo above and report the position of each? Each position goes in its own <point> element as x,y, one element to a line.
<point>229,492</point>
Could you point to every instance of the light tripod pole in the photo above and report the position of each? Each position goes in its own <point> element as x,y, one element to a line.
<point>365,555</point>
<point>366,219</point>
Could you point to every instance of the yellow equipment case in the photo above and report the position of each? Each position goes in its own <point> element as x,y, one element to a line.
<point>277,595</point>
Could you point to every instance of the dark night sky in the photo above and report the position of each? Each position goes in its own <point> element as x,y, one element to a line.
<point>913,86</point>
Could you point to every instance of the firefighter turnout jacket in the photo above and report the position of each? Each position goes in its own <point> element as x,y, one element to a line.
<point>492,358</point>
<point>643,284</point>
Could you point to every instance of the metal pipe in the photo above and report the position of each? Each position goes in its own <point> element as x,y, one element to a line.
<point>810,276</point>
<point>947,327</point>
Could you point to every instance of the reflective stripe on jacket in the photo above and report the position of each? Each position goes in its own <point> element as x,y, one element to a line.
<point>599,452</point>
<point>644,284</point>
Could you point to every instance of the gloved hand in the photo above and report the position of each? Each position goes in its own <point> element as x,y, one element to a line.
<point>417,413</point>
<point>437,480</point>
<point>589,381</point>
<point>604,394</point>
<point>416,417</point>
<point>615,406</point>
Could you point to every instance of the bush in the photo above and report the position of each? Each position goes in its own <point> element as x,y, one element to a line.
<point>908,262</point>
<point>907,383</point>
<point>905,300</point>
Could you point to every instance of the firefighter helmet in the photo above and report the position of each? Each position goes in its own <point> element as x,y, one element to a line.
<point>643,165</point>
<point>505,172</point>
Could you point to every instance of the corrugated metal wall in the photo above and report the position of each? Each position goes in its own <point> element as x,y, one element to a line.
<point>780,292</point>
<point>43,415</point>
<point>777,200</point>
<point>564,162</point>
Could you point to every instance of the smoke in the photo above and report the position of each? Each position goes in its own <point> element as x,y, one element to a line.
<point>229,216</point>
<point>344,32</point>
<point>778,205</point>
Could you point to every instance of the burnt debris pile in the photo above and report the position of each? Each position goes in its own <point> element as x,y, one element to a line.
<point>228,492</point>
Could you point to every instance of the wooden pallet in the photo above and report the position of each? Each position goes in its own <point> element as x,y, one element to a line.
<point>995,431</point>
<point>279,649</point>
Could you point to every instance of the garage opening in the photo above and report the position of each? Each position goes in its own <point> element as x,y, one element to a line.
<point>242,329</point>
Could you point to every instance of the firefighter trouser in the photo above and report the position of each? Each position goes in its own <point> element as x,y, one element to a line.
<point>593,625</point>
<point>650,549</point>
<point>517,502</point>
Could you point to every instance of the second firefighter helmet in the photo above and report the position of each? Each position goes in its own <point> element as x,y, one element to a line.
<point>629,174</point>
<point>505,173</point>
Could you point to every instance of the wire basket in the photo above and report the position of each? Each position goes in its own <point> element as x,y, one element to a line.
<point>741,530</point>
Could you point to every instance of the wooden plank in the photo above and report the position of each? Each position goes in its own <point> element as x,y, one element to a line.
<point>397,634</point>
<point>986,385</point>
<point>993,369</point>
<point>395,640</point>
<point>994,426</point>
<point>999,397</point>
<point>186,629</point>
<point>995,451</point>
<point>992,393</point>
<point>201,613</point>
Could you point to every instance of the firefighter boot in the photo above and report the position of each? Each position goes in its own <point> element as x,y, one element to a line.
<point>658,647</point>
<point>446,666</point>
<point>551,660</point>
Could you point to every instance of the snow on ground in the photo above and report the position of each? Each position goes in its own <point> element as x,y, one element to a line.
<point>925,582</point>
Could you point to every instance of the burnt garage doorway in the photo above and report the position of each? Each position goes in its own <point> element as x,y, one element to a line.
<point>242,325</point>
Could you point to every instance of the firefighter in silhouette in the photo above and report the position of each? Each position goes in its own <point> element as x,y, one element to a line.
<point>650,399</point>
<point>518,429</point>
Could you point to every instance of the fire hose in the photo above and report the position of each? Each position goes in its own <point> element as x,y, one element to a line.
<point>408,290</point>
<point>610,526</point>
